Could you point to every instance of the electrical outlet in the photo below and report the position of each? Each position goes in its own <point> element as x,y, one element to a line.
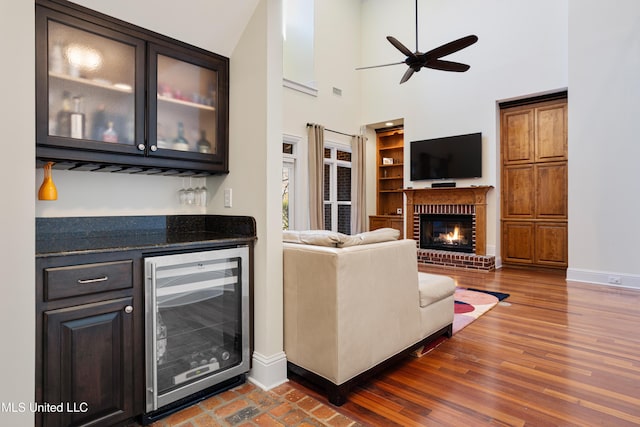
<point>615,280</point>
<point>228,198</point>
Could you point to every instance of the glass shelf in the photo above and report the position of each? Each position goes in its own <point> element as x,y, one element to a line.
<point>186,103</point>
<point>96,83</point>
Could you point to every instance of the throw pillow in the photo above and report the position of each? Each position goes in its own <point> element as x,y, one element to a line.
<point>368,237</point>
<point>314,237</point>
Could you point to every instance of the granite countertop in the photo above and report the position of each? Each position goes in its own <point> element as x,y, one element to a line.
<point>76,235</point>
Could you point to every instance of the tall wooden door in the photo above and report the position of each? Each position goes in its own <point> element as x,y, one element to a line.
<point>534,183</point>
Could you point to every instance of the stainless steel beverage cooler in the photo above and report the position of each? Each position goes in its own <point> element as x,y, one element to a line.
<point>197,324</point>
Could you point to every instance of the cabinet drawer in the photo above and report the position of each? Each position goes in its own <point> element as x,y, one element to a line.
<point>74,280</point>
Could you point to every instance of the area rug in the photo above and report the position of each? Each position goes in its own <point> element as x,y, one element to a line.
<point>469,305</point>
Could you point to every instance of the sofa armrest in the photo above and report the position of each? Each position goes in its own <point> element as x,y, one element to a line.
<point>348,309</point>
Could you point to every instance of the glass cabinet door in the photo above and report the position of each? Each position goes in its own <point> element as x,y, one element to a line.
<point>92,86</point>
<point>197,326</point>
<point>186,92</point>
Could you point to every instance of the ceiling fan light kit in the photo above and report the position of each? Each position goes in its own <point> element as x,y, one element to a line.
<point>431,59</point>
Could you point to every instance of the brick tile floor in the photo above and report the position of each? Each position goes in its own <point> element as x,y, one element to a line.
<point>250,406</point>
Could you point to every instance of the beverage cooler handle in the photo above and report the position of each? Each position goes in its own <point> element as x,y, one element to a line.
<point>154,347</point>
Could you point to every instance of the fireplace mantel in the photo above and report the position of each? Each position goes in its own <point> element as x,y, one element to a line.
<point>476,196</point>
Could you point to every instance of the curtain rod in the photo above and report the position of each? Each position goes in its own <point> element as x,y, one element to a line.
<point>334,131</point>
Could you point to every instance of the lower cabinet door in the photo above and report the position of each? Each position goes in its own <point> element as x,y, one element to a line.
<point>88,372</point>
<point>518,242</point>
<point>551,244</point>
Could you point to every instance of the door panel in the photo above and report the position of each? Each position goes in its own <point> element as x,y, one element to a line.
<point>551,133</point>
<point>518,144</point>
<point>89,363</point>
<point>518,196</point>
<point>518,243</point>
<point>551,244</point>
<point>551,190</point>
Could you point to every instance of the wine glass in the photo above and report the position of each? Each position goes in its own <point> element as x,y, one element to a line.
<point>204,193</point>
<point>191,195</point>
<point>198,195</point>
<point>182,194</point>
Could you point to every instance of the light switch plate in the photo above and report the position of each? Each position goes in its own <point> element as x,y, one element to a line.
<point>228,200</point>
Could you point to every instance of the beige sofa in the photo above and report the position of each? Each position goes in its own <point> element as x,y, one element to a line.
<point>349,311</point>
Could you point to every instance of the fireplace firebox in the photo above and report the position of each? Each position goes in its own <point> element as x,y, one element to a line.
<point>447,232</point>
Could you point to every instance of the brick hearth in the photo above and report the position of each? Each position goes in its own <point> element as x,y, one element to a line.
<point>456,259</point>
<point>468,201</point>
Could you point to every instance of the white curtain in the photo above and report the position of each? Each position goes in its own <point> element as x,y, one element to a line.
<point>358,188</point>
<point>316,173</point>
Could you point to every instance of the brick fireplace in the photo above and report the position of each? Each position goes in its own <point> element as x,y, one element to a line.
<point>451,203</point>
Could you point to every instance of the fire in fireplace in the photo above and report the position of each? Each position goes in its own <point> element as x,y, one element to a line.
<point>446,232</point>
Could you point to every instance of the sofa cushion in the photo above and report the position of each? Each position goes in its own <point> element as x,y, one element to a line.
<point>339,240</point>
<point>368,237</point>
<point>314,237</point>
<point>434,287</point>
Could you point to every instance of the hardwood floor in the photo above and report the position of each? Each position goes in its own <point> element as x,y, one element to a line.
<point>561,354</point>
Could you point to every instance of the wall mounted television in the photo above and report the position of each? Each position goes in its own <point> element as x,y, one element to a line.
<point>451,157</point>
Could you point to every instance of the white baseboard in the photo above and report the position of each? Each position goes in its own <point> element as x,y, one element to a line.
<point>268,372</point>
<point>604,278</point>
<point>498,262</point>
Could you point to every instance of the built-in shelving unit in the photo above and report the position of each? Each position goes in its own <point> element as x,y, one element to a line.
<point>389,180</point>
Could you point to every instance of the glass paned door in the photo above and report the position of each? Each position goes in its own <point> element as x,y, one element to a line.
<point>91,86</point>
<point>187,96</point>
<point>337,190</point>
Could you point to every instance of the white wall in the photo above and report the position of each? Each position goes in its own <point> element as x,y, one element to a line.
<point>337,47</point>
<point>17,109</point>
<point>604,153</point>
<point>522,50</point>
<point>255,161</point>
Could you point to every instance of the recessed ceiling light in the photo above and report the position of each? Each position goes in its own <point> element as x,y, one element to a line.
<point>389,124</point>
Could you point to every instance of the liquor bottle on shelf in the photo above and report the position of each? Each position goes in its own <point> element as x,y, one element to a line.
<point>213,95</point>
<point>180,143</point>
<point>204,146</point>
<point>99,123</point>
<point>110,135</point>
<point>63,119</point>
<point>77,119</point>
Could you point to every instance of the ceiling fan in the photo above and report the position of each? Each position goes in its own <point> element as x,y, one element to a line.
<point>431,59</point>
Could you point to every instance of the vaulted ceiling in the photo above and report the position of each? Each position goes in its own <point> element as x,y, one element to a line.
<point>215,25</point>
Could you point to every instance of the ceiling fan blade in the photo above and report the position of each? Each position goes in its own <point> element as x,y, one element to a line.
<point>407,75</point>
<point>439,64</point>
<point>449,48</point>
<point>378,66</point>
<point>402,48</point>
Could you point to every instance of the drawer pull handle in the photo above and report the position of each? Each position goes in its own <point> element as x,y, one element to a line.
<point>128,309</point>
<point>99,279</point>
